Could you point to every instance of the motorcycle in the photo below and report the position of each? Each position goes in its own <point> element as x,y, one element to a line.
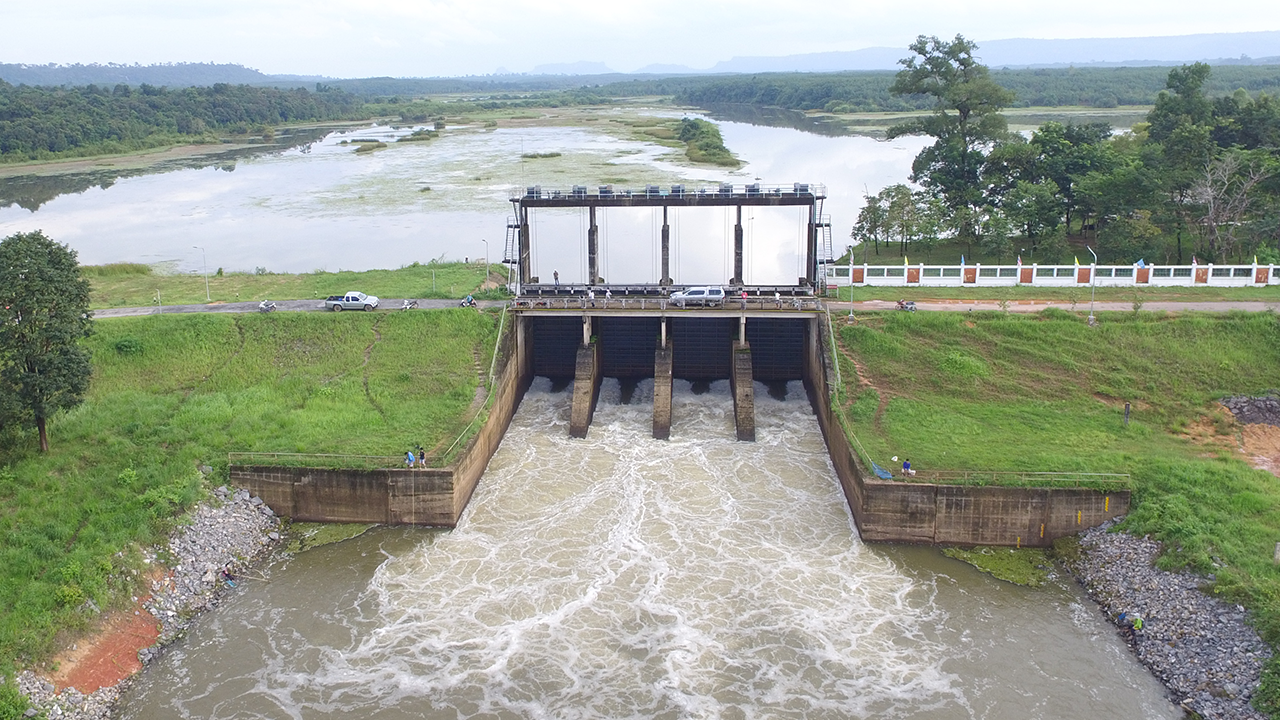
<point>409,305</point>
<point>266,306</point>
<point>468,301</point>
<point>908,305</point>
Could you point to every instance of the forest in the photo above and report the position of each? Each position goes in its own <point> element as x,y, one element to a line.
<point>1199,181</point>
<point>39,123</point>
<point>869,91</point>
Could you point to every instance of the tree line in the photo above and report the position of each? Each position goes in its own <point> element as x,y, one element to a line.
<point>39,123</point>
<point>1200,179</point>
<point>872,91</point>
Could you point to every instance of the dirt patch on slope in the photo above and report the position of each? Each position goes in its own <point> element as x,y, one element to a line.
<point>1261,443</point>
<point>109,655</point>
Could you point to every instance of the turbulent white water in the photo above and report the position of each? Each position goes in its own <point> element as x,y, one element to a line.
<point>624,577</point>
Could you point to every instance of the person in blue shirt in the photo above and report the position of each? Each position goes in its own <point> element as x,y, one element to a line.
<point>906,468</point>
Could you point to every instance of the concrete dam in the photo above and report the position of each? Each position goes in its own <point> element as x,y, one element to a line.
<point>768,333</point>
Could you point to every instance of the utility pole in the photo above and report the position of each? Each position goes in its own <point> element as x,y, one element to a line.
<point>1093,283</point>
<point>204,264</point>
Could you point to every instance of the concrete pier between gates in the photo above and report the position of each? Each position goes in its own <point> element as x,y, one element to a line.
<point>662,393</point>
<point>743,386</point>
<point>586,389</point>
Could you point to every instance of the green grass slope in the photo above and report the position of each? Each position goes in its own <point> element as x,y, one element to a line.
<point>172,392</point>
<point>136,285</point>
<point>996,391</point>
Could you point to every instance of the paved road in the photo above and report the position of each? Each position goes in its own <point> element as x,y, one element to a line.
<point>1021,306</point>
<point>282,305</point>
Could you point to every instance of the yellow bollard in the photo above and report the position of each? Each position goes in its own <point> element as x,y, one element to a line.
<point>1106,506</point>
<point>1078,516</point>
<point>1041,530</point>
<point>1019,542</point>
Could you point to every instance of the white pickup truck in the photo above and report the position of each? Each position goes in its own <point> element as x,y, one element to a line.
<point>351,301</point>
<point>698,296</point>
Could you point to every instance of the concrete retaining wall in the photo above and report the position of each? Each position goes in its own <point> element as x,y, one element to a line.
<point>889,511</point>
<point>435,496</point>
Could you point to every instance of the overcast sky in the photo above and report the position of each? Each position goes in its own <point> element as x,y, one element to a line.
<point>346,38</point>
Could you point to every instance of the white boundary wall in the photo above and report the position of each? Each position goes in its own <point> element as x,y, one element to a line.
<point>1052,275</point>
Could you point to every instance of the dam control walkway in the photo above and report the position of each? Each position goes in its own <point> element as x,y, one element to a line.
<point>742,339</point>
<point>632,331</point>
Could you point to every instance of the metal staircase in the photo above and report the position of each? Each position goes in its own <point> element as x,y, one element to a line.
<point>511,255</point>
<point>825,252</point>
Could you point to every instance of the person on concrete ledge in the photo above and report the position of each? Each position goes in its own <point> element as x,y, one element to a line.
<point>906,468</point>
<point>408,459</point>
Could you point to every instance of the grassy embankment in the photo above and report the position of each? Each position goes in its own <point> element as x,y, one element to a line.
<point>173,392</point>
<point>995,391</point>
<point>135,284</point>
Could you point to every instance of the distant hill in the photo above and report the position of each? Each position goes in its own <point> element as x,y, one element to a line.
<point>1262,48</point>
<point>169,75</point>
<point>577,68</point>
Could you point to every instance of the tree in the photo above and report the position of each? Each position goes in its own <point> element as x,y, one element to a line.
<point>1187,104</point>
<point>902,214</point>
<point>996,241</point>
<point>1034,208</point>
<point>966,121</point>
<point>872,224</point>
<point>45,313</point>
<point>1068,153</point>
<point>1224,192</point>
<point>1130,238</point>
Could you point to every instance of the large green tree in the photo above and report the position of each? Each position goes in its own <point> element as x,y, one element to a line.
<point>965,122</point>
<point>44,312</point>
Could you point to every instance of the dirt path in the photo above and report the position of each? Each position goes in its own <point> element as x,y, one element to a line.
<point>364,366</point>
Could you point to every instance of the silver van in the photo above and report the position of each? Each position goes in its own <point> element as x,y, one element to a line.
<point>698,296</point>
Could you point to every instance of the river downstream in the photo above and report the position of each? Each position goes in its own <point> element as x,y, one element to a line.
<point>625,577</point>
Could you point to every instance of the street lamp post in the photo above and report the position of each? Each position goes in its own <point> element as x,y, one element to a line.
<point>204,266</point>
<point>1093,283</point>
<point>486,257</point>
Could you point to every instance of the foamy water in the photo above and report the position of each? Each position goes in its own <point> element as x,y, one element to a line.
<point>625,577</point>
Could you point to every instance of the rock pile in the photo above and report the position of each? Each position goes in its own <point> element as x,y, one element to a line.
<point>225,535</point>
<point>229,532</point>
<point>1263,410</point>
<point>70,704</point>
<point>1200,648</point>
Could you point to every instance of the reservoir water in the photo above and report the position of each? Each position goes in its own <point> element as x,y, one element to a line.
<point>624,577</point>
<point>321,206</point>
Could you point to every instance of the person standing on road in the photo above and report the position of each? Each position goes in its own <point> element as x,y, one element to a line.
<point>555,275</point>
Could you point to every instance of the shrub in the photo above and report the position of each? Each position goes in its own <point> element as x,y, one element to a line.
<point>129,346</point>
